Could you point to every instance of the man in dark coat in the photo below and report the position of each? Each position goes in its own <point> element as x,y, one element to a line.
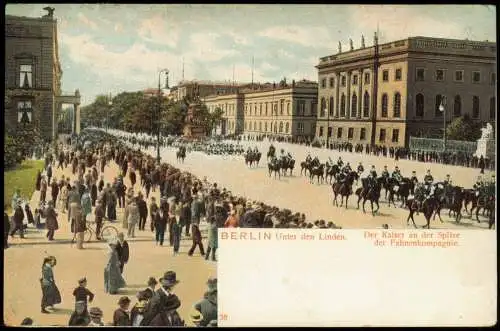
<point>208,305</point>
<point>143,211</point>
<point>122,250</point>
<point>162,308</point>
<point>18,220</point>
<point>481,164</point>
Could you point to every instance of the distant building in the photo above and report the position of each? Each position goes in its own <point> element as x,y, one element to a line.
<point>33,76</point>
<point>202,88</point>
<point>287,110</point>
<point>386,93</point>
<point>152,92</point>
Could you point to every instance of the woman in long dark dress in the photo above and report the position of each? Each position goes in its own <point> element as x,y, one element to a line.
<point>50,293</point>
<point>38,180</point>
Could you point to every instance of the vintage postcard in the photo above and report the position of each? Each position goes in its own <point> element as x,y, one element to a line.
<point>250,165</point>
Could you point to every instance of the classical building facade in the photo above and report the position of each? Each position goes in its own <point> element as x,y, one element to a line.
<point>288,110</point>
<point>33,76</point>
<point>201,89</point>
<point>232,112</point>
<point>386,93</point>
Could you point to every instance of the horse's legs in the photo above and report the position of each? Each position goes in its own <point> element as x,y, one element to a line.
<point>378,206</point>
<point>346,200</point>
<point>359,199</point>
<point>477,214</point>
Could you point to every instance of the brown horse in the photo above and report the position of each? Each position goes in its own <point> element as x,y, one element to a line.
<point>344,189</point>
<point>253,158</point>
<point>428,207</point>
<point>274,167</point>
<point>304,167</point>
<point>317,172</point>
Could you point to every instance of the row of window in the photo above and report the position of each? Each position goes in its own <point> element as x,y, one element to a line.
<point>343,80</point>
<point>457,106</point>
<point>362,134</point>
<point>276,128</point>
<point>263,109</point>
<point>439,76</point>
<point>396,105</point>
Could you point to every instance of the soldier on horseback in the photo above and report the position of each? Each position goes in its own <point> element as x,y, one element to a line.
<point>414,180</point>
<point>360,168</point>
<point>308,158</point>
<point>428,180</point>
<point>315,162</point>
<point>396,174</point>
<point>373,172</point>
<point>255,150</point>
<point>340,163</point>
<point>385,173</point>
<point>347,169</point>
<point>447,181</point>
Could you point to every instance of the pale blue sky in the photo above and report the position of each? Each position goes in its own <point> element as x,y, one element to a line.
<point>114,48</point>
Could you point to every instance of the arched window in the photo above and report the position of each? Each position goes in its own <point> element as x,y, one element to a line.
<point>275,127</point>
<point>437,112</point>
<point>255,126</point>
<point>260,126</point>
<point>288,108</point>
<point>457,106</point>
<point>492,108</point>
<point>396,108</point>
<point>246,123</point>
<point>287,127</point>
<point>475,106</point>
<point>419,105</point>
<point>354,105</point>
<point>366,104</point>
<point>330,107</point>
<point>323,107</point>
<point>384,105</point>
<point>271,126</point>
<point>342,105</point>
<point>281,127</point>
<point>265,126</point>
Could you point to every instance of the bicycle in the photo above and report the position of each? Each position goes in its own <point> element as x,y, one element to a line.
<point>107,231</point>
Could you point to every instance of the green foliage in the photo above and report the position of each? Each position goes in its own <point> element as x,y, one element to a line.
<point>12,152</point>
<point>133,111</point>
<point>22,177</point>
<point>463,128</point>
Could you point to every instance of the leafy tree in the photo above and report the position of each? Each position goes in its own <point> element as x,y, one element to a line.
<point>463,128</point>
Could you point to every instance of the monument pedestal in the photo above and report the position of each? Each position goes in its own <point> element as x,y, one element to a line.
<point>486,144</point>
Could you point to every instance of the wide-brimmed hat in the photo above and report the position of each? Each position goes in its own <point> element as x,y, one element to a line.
<point>195,316</point>
<point>169,279</point>
<point>95,312</point>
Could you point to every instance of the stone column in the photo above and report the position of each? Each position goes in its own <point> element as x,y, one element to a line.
<point>76,124</point>
<point>337,84</point>
<point>360,94</point>
<point>348,96</point>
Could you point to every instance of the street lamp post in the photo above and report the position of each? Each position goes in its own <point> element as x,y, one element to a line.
<point>442,109</point>
<point>158,117</point>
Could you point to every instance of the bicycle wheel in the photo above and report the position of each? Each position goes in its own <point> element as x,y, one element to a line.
<point>88,235</point>
<point>109,232</point>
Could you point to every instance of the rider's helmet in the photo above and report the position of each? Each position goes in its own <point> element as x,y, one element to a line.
<point>282,151</point>
<point>396,168</point>
<point>448,176</point>
<point>385,167</point>
<point>428,171</point>
<point>359,163</point>
<point>413,172</point>
<point>373,167</point>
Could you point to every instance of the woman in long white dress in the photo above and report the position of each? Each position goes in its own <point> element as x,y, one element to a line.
<point>113,279</point>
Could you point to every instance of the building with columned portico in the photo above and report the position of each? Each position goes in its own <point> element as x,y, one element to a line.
<point>33,97</point>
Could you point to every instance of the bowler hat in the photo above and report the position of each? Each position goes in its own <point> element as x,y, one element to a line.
<point>169,279</point>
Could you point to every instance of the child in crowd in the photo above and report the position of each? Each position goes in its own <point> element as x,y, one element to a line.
<point>82,293</point>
